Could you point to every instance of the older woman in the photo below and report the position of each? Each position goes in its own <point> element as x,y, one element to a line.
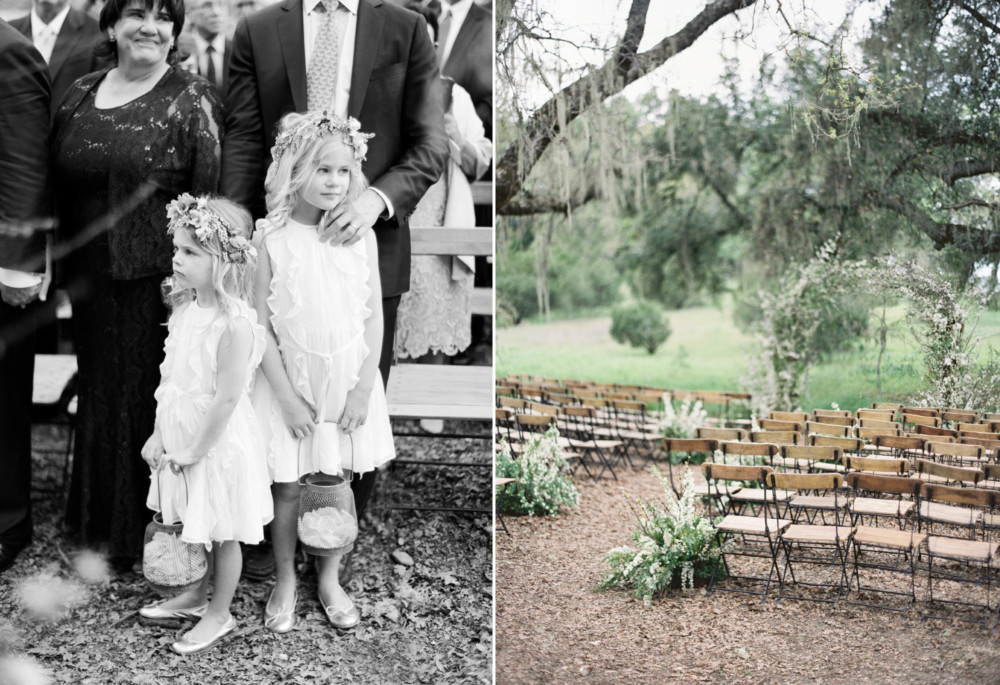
<point>128,139</point>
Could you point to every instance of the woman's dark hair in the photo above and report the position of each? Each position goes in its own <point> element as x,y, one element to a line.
<point>113,10</point>
<point>430,11</point>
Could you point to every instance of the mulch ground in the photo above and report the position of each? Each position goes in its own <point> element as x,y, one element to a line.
<point>554,625</point>
<point>428,621</point>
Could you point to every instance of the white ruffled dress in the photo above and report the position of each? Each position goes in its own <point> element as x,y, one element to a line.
<point>225,495</point>
<point>319,303</point>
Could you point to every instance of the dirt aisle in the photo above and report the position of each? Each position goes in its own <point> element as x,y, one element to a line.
<point>552,626</point>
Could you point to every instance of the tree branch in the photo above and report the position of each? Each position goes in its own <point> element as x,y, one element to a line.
<point>942,234</point>
<point>527,204</point>
<point>601,83</point>
<point>968,168</point>
<point>979,17</point>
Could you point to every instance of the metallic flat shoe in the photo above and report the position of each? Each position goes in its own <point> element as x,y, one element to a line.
<point>185,647</point>
<point>154,613</point>
<point>282,621</point>
<point>343,619</point>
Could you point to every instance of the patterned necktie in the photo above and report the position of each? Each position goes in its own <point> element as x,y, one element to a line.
<point>210,66</point>
<point>321,77</point>
<point>443,28</point>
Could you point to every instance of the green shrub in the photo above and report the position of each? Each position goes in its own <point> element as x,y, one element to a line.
<point>640,324</point>
<point>542,485</point>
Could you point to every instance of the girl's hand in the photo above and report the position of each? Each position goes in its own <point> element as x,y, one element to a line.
<point>355,410</point>
<point>298,417</point>
<point>179,459</point>
<point>152,451</point>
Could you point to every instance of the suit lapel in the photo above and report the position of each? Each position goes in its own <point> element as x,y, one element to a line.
<point>66,42</point>
<point>366,42</point>
<point>466,32</point>
<point>292,50</point>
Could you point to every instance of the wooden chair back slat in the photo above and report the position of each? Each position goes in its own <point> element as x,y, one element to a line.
<point>829,429</point>
<point>899,467</point>
<point>805,481</point>
<point>973,497</point>
<point>921,420</point>
<point>731,472</point>
<point>845,444</point>
<point>737,434</point>
<point>800,417</point>
<point>886,484</point>
<point>777,437</point>
<point>951,473</point>
<point>933,431</point>
<point>752,449</point>
<point>689,445</point>
<point>778,425</point>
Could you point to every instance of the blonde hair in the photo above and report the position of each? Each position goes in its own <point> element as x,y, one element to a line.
<point>294,165</point>
<point>232,279</point>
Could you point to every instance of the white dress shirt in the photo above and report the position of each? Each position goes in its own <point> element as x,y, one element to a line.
<point>44,35</point>
<point>219,46</point>
<point>311,21</point>
<point>459,11</point>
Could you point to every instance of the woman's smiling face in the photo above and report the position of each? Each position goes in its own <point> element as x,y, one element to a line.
<point>143,36</point>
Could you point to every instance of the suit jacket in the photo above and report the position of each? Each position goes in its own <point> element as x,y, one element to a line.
<point>470,62</point>
<point>393,94</point>
<point>73,54</point>
<point>24,147</point>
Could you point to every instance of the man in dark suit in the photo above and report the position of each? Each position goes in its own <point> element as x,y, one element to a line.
<point>211,47</point>
<point>386,76</point>
<point>465,48</point>
<point>65,37</point>
<point>24,179</point>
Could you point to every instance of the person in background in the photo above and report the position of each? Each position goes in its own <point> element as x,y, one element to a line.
<point>211,48</point>
<point>65,37</point>
<point>434,320</point>
<point>126,141</point>
<point>465,53</point>
<point>24,184</point>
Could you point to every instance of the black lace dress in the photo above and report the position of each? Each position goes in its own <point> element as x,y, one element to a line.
<point>115,171</point>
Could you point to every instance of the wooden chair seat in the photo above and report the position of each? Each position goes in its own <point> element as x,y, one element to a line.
<point>945,513</point>
<point>887,537</point>
<point>812,533</point>
<point>961,549</point>
<point>872,506</point>
<point>828,502</point>
<point>751,524</point>
<point>758,495</point>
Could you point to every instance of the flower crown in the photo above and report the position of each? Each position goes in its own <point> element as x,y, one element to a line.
<point>187,211</point>
<point>316,125</point>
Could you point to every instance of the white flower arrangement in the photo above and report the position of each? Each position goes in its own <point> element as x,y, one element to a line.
<point>675,544</point>
<point>542,487</point>
<point>683,423</point>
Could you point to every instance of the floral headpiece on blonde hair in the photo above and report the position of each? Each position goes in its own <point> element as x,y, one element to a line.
<point>316,125</point>
<point>190,212</point>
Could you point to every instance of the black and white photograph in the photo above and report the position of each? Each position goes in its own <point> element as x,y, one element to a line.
<point>246,341</point>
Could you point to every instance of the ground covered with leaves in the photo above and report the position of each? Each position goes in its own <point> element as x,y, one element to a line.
<point>423,582</point>
<point>553,625</point>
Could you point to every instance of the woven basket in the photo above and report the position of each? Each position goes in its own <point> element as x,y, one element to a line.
<point>169,564</point>
<point>328,520</point>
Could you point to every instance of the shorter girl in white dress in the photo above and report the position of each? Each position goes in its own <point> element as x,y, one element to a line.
<point>322,407</point>
<point>206,431</point>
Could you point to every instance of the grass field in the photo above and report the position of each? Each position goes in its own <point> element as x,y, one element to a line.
<point>706,351</point>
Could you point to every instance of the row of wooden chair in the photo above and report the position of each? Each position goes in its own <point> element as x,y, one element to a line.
<point>792,523</point>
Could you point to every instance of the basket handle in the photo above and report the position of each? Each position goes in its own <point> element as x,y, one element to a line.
<point>159,485</point>
<point>350,437</point>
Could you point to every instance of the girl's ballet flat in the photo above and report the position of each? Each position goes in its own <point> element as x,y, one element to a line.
<point>185,646</point>
<point>281,621</point>
<point>343,619</point>
<point>155,613</point>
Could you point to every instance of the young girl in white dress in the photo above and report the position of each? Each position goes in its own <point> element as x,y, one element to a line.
<point>206,451</point>
<point>322,407</point>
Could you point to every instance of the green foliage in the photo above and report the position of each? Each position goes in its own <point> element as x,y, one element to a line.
<point>516,282</point>
<point>640,324</point>
<point>542,487</point>
<point>673,540</point>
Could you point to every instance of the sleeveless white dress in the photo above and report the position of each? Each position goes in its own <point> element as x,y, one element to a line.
<point>319,303</point>
<point>226,495</point>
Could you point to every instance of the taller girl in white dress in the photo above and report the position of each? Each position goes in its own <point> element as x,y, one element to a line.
<point>322,407</point>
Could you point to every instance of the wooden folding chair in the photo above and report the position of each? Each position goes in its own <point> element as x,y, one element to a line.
<point>831,429</point>
<point>945,474</point>
<point>750,453</point>
<point>933,432</point>
<point>777,437</point>
<point>778,425</point>
<point>632,427</point>
<point>734,434</point>
<point>846,445</point>
<point>899,446</point>
<point>757,536</point>
<point>891,406</point>
<point>797,416</point>
<point>687,447</point>
<point>923,411</point>
<point>959,416</point>
<point>989,427</point>
<point>876,414</point>
<point>920,420</point>
<point>969,560</point>
<point>877,542</point>
<point>880,424</point>
<point>824,414</point>
<point>805,543</point>
<point>802,458</point>
<point>956,454</point>
<point>829,420</point>
<point>583,438</point>
<point>878,505</point>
